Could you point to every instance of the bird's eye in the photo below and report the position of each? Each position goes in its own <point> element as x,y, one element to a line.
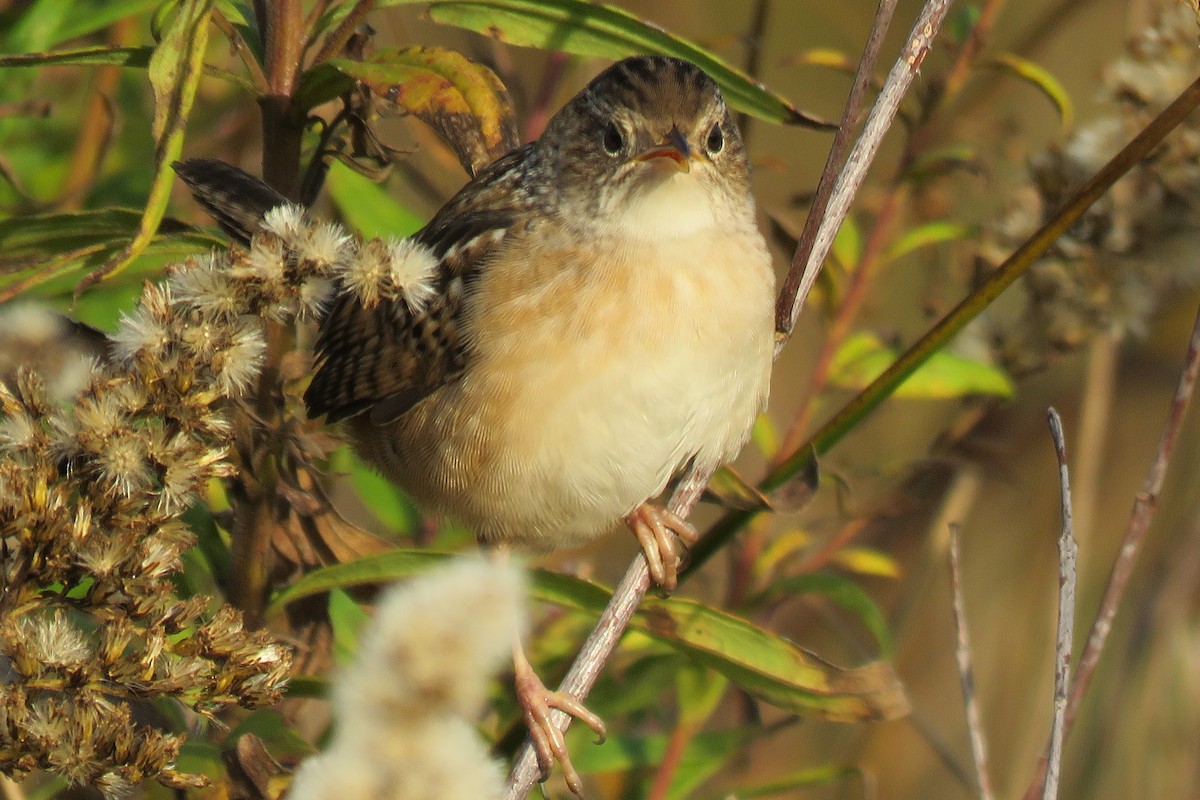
<point>715,142</point>
<point>614,142</point>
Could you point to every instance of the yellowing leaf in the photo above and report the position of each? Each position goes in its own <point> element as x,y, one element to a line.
<point>463,101</point>
<point>595,29</point>
<point>863,357</point>
<point>1041,79</point>
<point>865,561</point>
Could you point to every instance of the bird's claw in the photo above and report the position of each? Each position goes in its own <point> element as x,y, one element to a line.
<point>660,532</point>
<point>537,703</point>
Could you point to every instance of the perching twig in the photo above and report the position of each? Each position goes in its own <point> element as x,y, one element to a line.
<point>1068,552</point>
<point>962,654</point>
<point>832,200</point>
<point>1144,507</point>
<point>613,621</point>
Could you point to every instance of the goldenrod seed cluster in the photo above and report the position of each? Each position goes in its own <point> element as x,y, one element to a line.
<point>90,535</point>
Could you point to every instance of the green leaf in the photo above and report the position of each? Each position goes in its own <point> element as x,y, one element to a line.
<point>594,29</point>
<point>348,620</point>
<point>730,490</point>
<point>312,687</point>
<point>627,753</point>
<point>83,56</point>
<point>38,249</point>
<point>90,16</point>
<point>37,27</point>
<point>938,161</point>
<point>847,244</point>
<point>770,667</point>
<point>764,664</point>
<point>700,691</point>
<point>174,71</point>
<point>367,206</point>
<point>863,357</point>
<point>1041,79</point>
<point>927,235</point>
<point>270,726</point>
<point>841,590</point>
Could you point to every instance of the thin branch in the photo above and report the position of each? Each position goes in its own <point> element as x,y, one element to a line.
<point>966,677</point>
<point>821,226</point>
<point>613,621</point>
<point>1068,553</point>
<point>243,51</point>
<point>1144,507</point>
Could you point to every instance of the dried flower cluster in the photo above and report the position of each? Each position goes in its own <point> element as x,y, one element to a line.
<point>1135,246</point>
<point>90,498</point>
<point>402,709</point>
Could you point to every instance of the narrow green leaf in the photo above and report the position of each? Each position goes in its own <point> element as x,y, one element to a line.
<point>39,249</point>
<point>174,71</point>
<point>89,16</point>
<point>847,244</point>
<point>271,726</point>
<point>83,56</point>
<point>594,29</point>
<point>313,687</point>
<point>700,691</point>
<point>627,753</point>
<point>367,206</point>
<point>772,668</point>
<point>347,620</point>
<point>37,27</point>
<point>1041,79</point>
<point>841,590</point>
<point>939,161</point>
<point>863,357</point>
<point>927,235</point>
<point>764,664</point>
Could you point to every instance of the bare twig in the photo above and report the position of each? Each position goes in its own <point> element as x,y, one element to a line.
<point>613,621</point>
<point>1068,552</point>
<point>821,226</point>
<point>1144,507</point>
<point>242,50</point>
<point>962,654</point>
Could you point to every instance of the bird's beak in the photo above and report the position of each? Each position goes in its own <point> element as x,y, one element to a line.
<point>673,152</point>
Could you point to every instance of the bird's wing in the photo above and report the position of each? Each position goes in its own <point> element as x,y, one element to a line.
<point>385,358</point>
<point>237,200</point>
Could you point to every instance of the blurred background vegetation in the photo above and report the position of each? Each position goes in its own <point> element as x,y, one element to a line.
<point>983,148</point>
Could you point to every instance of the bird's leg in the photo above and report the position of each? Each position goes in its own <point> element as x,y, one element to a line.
<point>657,529</point>
<point>537,703</point>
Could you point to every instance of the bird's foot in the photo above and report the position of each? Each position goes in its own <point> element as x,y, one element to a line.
<point>537,703</point>
<point>660,533</point>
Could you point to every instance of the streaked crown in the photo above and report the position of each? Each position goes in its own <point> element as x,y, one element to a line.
<point>640,123</point>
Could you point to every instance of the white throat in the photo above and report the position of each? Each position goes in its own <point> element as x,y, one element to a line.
<point>675,207</point>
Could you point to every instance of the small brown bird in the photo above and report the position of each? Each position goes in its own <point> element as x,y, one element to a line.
<point>588,315</point>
